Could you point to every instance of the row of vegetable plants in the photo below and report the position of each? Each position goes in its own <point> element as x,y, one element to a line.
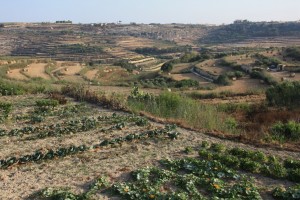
<point>252,161</point>
<point>40,114</point>
<point>182,179</point>
<point>166,132</point>
<point>57,129</point>
<point>76,126</point>
<point>282,193</point>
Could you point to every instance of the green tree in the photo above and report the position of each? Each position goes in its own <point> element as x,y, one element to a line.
<point>285,94</point>
<point>167,67</point>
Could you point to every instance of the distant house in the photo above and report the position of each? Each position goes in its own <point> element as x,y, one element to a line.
<point>64,22</point>
<point>279,67</point>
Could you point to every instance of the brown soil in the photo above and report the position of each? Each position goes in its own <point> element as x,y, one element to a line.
<point>177,68</point>
<point>37,70</point>
<point>187,76</point>
<point>91,74</point>
<point>242,85</point>
<point>16,74</point>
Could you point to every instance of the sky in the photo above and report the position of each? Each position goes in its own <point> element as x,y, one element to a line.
<point>149,11</point>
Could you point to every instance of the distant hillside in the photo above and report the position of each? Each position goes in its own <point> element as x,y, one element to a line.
<point>242,30</point>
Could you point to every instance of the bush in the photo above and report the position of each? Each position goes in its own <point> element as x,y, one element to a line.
<point>187,83</point>
<point>231,123</point>
<point>167,67</point>
<point>293,52</point>
<point>289,131</point>
<point>223,80</point>
<point>285,94</point>
<point>263,76</point>
<point>126,65</point>
<point>9,88</point>
<point>47,103</point>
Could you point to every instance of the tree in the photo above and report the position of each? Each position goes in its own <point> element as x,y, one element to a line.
<point>223,80</point>
<point>167,67</point>
<point>285,94</point>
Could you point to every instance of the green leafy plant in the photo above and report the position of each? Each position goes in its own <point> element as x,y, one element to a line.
<point>289,130</point>
<point>5,109</point>
<point>281,193</point>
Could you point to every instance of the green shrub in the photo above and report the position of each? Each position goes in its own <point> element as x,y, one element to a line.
<point>262,75</point>
<point>231,123</point>
<point>289,131</point>
<point>10,88</point>
<point>293,52</point>
<point>285,94</point>
<point>47,103</point>
<point>186,83</point>
<point>223,80</point>
<point>167,67</point>
<point>126,65</point>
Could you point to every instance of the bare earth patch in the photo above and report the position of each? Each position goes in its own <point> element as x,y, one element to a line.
<point>187,76</point>
<point>91,74</point>
<point>37,70</point>
<point>16,74</point>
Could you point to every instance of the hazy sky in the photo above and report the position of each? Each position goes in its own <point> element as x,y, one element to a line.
<point>149,11</point>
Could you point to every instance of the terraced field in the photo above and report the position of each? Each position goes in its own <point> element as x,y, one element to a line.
<point>48,146</point>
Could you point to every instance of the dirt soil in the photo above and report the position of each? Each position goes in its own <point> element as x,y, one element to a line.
<point>242,85</point>
<point>91,74</point>
<point>187,76</point>
<point>37,70</point>
<point>16,74</point>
